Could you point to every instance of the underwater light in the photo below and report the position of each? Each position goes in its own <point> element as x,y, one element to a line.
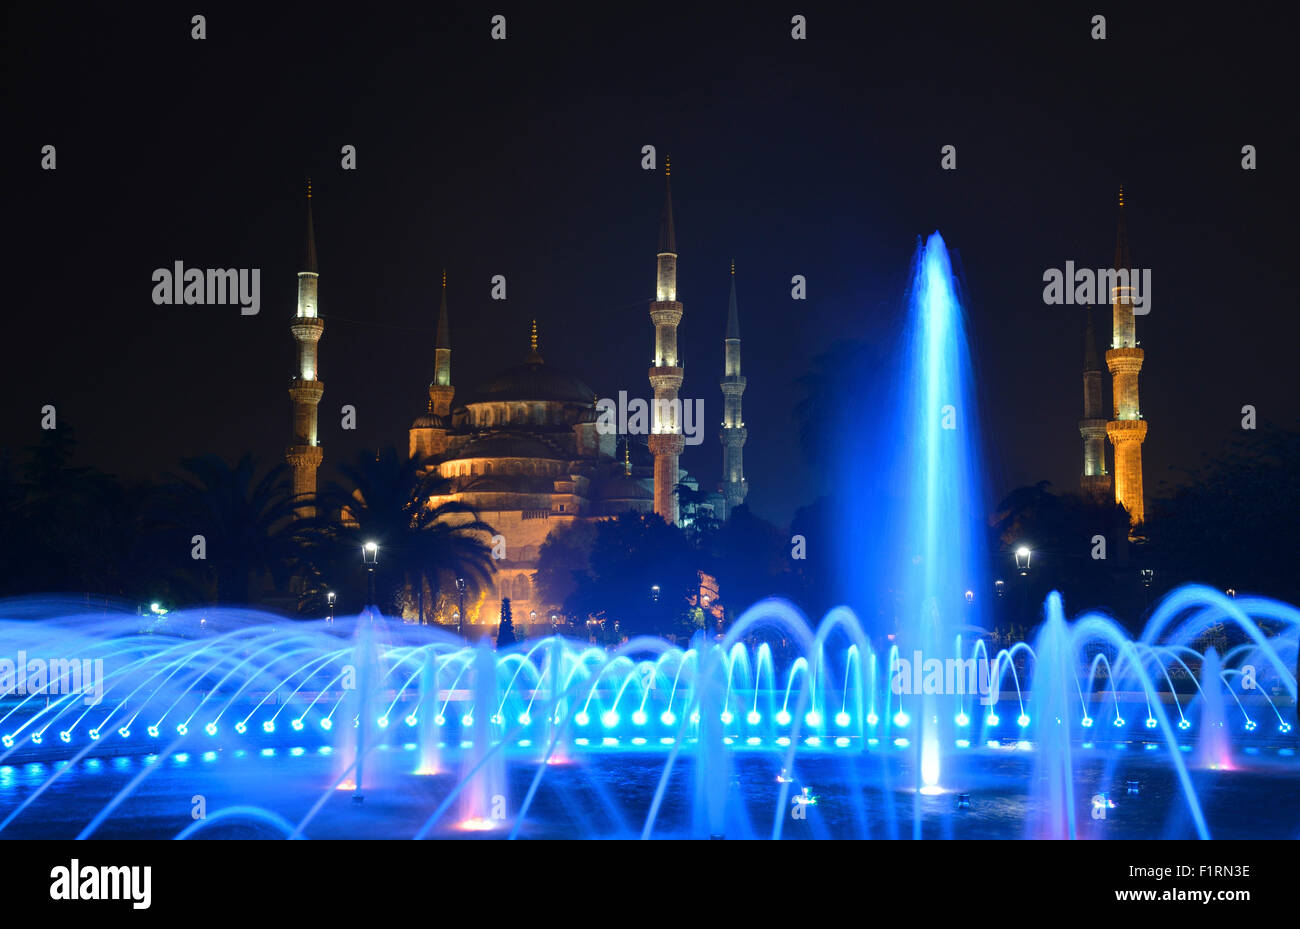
<point>695,717</point>
<point>467,719</point>
<point>782,718</point>
<point>1184,723</point>
<point>813,718</point>
<point>211,728</point>
<point>239,727</point>
<point>326,723</point>
<point>872,719</point>
<point>1250,725</point>
<point>842,741</point>
<point>381,721</point>
<point>438,720</point>
<point>268,726</point>
<point>901,718</point>
<point>753,718</point>
<point>1151,722</point>
<point>726,717</point>
<point>841,718</point>
<point>1022,720</point>
<point>153,731</point>
<point>412,719</point>
<point>639,718</point>
<point>668,718</point>
<point>1283,727</point>
<point>524,719</point>
<point>1086,722</point>
<point>609,719</point>
<point>8,741</point>
<point>581,718</point>
<point>182,729</point>
<point>963,719</point>
<point>1119,721</point>
<point>992,719</point>
<point>65,735</point>
<point>498,719</point>
<point>94,733</point>
<point>123,732</point>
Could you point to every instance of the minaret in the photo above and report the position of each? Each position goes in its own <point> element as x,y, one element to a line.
<point>304,454</point>
<point>428,434</point>
<point>1094,481</point>
<point>733,435</point>
<point>666,440</point>
<point>1127,429</point>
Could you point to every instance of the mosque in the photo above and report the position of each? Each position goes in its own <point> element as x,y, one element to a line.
<point>523,447</point>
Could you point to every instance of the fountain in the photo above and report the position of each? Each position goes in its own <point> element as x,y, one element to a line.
<point>110,722</point>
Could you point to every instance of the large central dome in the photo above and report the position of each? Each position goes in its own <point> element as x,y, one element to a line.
<point>533,381</point>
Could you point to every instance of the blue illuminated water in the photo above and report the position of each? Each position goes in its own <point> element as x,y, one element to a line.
<point>782,728</point>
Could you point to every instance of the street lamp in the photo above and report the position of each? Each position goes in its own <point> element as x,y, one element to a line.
<point>999,586</point>
<point>555,618</point>
<point>460,591</point>
<point>330,598</point>
<point>654,593</point>
<point>370,558</point>
<point>1147,576</point>
<point>1023,555</point>
<point>970,597</point>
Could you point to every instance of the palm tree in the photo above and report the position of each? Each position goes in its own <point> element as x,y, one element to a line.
<point>385,498</point>
<point>246,523</point>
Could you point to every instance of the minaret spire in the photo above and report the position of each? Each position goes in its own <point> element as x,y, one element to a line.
<point>1127,429</point>
<point>304,454</point>
<point>733,434</point>
<point>428,434</point>
<point>1094,480</point>
<point>666,440</point>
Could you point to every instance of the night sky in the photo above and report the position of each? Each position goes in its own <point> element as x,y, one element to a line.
<point>817,157</point>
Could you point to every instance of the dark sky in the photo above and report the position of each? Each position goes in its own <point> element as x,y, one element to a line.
<point>522,158</point>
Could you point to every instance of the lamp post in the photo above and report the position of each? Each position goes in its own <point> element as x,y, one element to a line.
<point>460,591</point>
<point>532,621</point>
<point>370,558</point>
<point>555,621</point>
<point>1148,576</point>
<point>1023,555</point>
<point>330,598</point>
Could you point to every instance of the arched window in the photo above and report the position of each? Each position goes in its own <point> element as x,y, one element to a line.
<point>523,589</point>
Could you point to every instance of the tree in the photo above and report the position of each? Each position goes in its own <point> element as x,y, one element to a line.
<point>563,558</point>
<point>632,555</point>
<point>396,501</point>
<point>506,631</point>
<point>246,523</point>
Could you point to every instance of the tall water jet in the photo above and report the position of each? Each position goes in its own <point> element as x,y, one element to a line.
<point>1050,707</point>
<point>483,800</point>
<point>1213,748</point>
<point>357,733</point>
<point>936,520</point>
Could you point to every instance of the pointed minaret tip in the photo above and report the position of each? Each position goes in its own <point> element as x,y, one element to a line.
<point>444,324</point>
<point>667,234</point>
<point>733,312</point>
<point>1091,362</point>
<point>1122,257</point>
<point>309,256</point>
